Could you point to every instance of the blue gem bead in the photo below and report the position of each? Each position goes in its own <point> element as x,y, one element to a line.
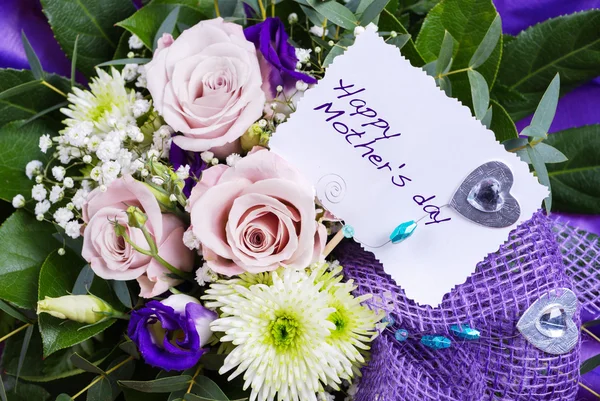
<point>348,231</point>
<point>464,331</point>
<point>389,320</point>
<point>401,335</point>
<point>436,342</point>
<point>403,231</point>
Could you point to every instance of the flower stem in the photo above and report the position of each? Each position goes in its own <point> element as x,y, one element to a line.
<point>198,369</point>
<point>589,389</point>
<point>263,12</point>
<point>97,379</point>
<point>589,333</point>
<point>532,143</point>
<point>159,259</point>
<point>12,333</point>
<point>217,12</point>
<point>454,72</point>
<point>54,88</point>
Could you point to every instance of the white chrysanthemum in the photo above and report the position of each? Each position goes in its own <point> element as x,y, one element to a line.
<point>107,104</point>
<point>280,333</point>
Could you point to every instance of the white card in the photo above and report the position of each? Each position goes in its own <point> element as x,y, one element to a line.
<point>432,144</point>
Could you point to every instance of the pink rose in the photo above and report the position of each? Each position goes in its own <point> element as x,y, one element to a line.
<point>256,216</point>
<point>207,85</point>
<point>111,257</point>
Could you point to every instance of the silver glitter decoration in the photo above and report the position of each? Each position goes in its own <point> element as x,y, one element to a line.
<point>484,196</point>
<point>548,323</point>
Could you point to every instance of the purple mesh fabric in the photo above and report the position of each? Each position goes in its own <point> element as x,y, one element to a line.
<point>501,365</point>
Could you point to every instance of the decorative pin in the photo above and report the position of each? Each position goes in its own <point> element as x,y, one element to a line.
<point>436,342</point>
<point>484,196</point>
<point>465,332</point>
<point>401,335</point>
<point>548,323</point>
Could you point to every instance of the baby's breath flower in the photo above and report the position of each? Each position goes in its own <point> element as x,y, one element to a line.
<point>135,42</point>
<point>38,192</point>
<point>130,72</point>
<point>301,86</point>
<point>293,18</point>
<point>32,168</point>
<point>207,156</point>
<point>279,117</point>
<point>183,172</point>
<point>42,207</point>
<point>68,182</point>
<point>73,229</point>
<point>62,216</point>
<point>79,198</point>
<point>61,251</point>
<point>190,240</point>
<point>205,275</point>
<point>56,193</point>
<point>318,31</point>
<point>58,172</point>
<point>39,179</point>
<point>232,159</point>
<point>18,201</point>
<point>45,143</point>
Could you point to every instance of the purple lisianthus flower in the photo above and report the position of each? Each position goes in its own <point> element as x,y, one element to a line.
<point>277,58</point>
<point>170,334</point>
<point>180,157</point>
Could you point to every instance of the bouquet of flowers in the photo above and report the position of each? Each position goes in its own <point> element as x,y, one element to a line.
<point>159,248</point>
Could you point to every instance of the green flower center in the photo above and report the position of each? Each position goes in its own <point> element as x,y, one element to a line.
<point>341,321</point>
<point>284,330</point>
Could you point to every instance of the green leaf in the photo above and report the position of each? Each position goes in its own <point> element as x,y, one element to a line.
<point>503,126</point>
<point>569,45</point>
<point>9,310</point>
<point>335,12</point>
<point>18,146</point>
<point>45,111</point>
<point>400,40</point>
<point>337,50</point>
<point>17,90</point>
<point>32,58</point>
<point>83,364</point>
<point>548,154</point>
<point>94,22</point>
<point>63,397</point>
<point>130,348</point>
<point>314,17</point>
<point>211,361</point>
<point>589,364</point>
<point>542,173</point>
<point>167,26</point>
<point>164,385</point>
<point>2,390</point>
<point>84,281</point>
<point>29,242</point>
<point>57,277</point>
<point>445,56</point>
<point>575,183</point>
<point>372,11</point>
<point>101,391</point>
<point>445,85</point>
<point>487,119</point>
<point>544,114</point>
<point>480,93</point>
<point>29,392</point>
<point>468,21</point>
<point>488,44</point>
<point>24,348</point>
<point>122,292</point>
<point>205,387</point>
<point>146,22</point>
<point>74,61</point>
<point>389,22</point>
<point>124,61</point>
<point>36,99</point>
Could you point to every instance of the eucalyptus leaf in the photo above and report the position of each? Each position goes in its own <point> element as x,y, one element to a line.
<point>400,40</point>
<point>130,348</point>
<point>24,348</point>
<point>32,58</point>
<point>569,45</point>
<point>544,114</point>
<point>74,61</point>
<point>335,12</point>
<point>314,17</point>
<point>94,22</point>
<point>488,44</point>
<point>575,182</point>
<point>337,50</point>
<point>29,242</point>
<point>468,21</point>
<point>167,26</point>
<point>445,85</point>
<point>487,119</point>
<point>17,90</point>
<point>122,292</point>
<point>205,387</point>
<point>57,277</point>
<point>84,281</point>
<point>63,397</point>
<point>146,22</point>
<point>480,93</point>
<point>503,126</point>
<point>164,385</point>
<point>389,22</point>
<point>9,310</point>
<point>83,364</point>
<point>429,68</point>
<point>45,111</point>
<point>123,61</point>
<point>589,364</point>
<point>372,11</point>
<point>445,56</point>
<point>542,173</point>
<point>101,391</point>
<point>2,390</point>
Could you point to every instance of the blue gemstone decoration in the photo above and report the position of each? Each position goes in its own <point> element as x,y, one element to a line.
<point>465,332</point>
<point>401,335</point>
<point>348,231</point>
<point>403,231</point>
<point>436,342</point>
<point>389,320</point>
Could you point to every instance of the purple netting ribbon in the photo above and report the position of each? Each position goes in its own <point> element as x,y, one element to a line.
<point>501,365</point>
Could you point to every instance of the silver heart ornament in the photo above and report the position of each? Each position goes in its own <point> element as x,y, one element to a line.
<point>484,196</point>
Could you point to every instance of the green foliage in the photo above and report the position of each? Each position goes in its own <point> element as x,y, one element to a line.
<point>31,100</point>
<point>335,12</point>
<point>503,126</point>
<point>163,385</point>
<point>389,22</point>
<point>19,146</point>
<point>575,183</point>
<point>468,21</point>
<point>29,242</point>
<point>32,58</point>
<point>569,45</point>
<point>146,22</point>
<point>57,277</point>
<point>544,113</point>
<point>589,364</point>
<point>94,22</point>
